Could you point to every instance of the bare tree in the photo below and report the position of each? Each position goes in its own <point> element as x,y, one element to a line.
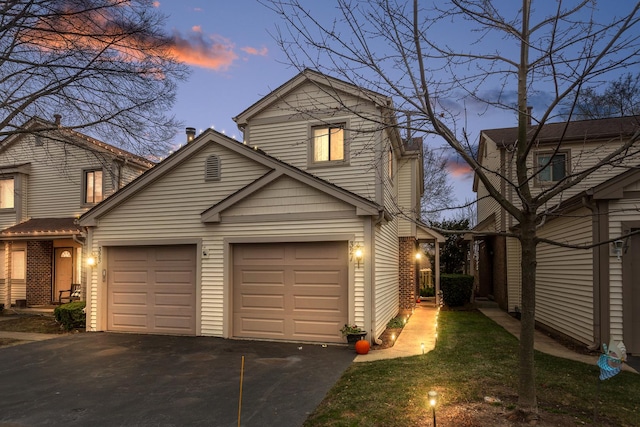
<point>500,57</point>
<point>104,66</point>
<point>620,98</point>
<point>438,191</point>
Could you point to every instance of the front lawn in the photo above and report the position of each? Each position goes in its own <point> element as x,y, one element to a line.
<point>30,323</point>
<point>474,370</point>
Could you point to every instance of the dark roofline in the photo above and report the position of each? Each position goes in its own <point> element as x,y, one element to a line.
<point>573,131</point>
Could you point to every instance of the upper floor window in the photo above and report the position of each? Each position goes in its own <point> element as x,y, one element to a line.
<point>7,193</point>
<point>552,167</point>
<point>390,163</point>
<point>93,186</point>
<point>328,143</point>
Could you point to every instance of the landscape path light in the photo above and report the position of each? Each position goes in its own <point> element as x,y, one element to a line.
<point>433,400</point>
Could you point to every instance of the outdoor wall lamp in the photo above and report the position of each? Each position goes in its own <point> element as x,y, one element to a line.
<point>355,250</point>
<point>95,258</point>
<point>433,399</point>
<point>619,248</point>
<point>418,256</point>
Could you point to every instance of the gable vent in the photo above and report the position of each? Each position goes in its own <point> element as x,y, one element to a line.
<point>212,168</point>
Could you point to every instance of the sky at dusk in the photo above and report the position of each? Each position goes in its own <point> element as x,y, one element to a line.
<point>235,62</point>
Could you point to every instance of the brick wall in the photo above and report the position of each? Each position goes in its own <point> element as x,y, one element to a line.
<point>407,273</point>
<point>39,272</point>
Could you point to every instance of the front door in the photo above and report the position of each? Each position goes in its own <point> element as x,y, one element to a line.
<point>63,271</point>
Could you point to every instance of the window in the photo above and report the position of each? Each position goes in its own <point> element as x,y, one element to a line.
<point>390,164</point>
<point>7,192</point>
<point>552,167</point>
<point>93,187</point>
<point>17,265</point>
<point>328,143</point>
<point>212,168</point>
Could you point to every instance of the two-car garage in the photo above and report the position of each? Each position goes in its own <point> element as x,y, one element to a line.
<point>280,291</point>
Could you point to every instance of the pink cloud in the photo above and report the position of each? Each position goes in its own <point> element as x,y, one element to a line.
<point>253,51</point>
<point>196,29</point>
<point>214,52</point>
<point>156,4</point>
<point>460,170</point>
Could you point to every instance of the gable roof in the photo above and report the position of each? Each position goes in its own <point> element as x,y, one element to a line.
<point>49,129</point>
<point>569,131</point>
<point>278,168</point>
<point>319,79</point>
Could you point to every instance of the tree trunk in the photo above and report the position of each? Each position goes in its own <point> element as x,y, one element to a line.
<point>527,402</point>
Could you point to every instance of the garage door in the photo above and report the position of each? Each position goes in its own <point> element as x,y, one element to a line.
<point>151,289</point>
<point>290,291</point>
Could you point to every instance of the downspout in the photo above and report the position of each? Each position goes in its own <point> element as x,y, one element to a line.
<point>588,203</point>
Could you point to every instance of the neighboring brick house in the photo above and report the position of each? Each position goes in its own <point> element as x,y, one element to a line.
<point>309,224</point>
<point>589,296</point>
<point>47,180</point>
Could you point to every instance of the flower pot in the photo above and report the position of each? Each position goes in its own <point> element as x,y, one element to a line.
<point>352,339</point>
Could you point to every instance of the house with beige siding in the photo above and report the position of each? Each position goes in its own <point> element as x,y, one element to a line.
<point>288,235</point>
<point>589,295</point>
<point>49,176</point>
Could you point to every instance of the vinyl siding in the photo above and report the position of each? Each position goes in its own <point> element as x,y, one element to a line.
<point>386,275</point>
<point>285,134</point>
<point>287,196</point>
<point>619,211</point>
<point>185,195</point>
<point>486,204</point>
<point>407,202</point>
<point>564,277</point>
<point>55,181</point>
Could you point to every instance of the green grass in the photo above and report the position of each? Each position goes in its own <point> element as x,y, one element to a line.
<point>31,323</point>
<point>473,358</point>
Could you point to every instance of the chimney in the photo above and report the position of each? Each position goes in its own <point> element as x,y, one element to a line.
<point>191,134</point>
<point>57,118</point>
<point>529,110</point>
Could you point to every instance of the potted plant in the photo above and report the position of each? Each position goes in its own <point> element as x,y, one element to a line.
<point>353,333</point>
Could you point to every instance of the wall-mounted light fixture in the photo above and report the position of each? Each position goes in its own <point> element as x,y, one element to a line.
<point>95,258</point>
<point>355,252</point>
<point>418,256</point>
<point>619,247</point>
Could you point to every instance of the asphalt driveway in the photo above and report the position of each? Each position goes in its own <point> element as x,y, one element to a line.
<point>104,379</point>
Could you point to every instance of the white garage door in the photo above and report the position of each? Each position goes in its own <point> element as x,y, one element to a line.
<point>152,289</point>
<point>290,291</point>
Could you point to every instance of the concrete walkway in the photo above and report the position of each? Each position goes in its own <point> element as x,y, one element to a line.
<point>542,342</point>
<point>418,337</point>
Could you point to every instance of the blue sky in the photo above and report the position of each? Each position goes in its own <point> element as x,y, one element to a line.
<point>235,62</point>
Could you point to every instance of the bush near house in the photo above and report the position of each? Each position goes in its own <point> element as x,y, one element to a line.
<point>71,315</point>
<point>456,289</point>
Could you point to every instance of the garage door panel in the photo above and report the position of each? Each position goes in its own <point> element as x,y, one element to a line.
<point>315,330</point>
<point>130,321</point>
<point>317,277</point>
<point>261,327</point>
<point>307,301</point>
<point>130,298</point>
<point>263,302</point>
<point>130,276</point>
<point>316,303</point>
<point>151,289</point>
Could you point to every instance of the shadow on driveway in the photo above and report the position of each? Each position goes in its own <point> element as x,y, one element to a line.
<point>105,379</point>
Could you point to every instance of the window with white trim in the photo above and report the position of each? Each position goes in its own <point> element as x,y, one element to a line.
<point>327,144</point>
<point>93,190</point>
<point>552,167</point>
<point>7,193</point>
